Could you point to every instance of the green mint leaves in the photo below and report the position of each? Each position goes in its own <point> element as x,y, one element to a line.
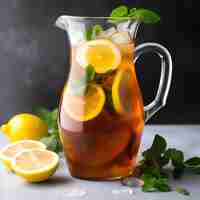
<point>79,87</point>
<point>52,140</point>
<point>122,13</point>
<point>153,167</point>
<point>91,33</point>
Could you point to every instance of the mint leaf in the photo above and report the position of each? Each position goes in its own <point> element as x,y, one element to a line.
<point>162,185</point>
<point>90,73</point>
<point>182,191</point>
<point>92,33</point>
<point>88,34</point>
<point>149,183</point>
<point>52,142</point>
<point>145,15</point>
<point>158,147</point>
<point>79,87</point>
<point>42,112</point>
<point>152,183</point>
<point>193,162</point>
<point>50,118</point>
<point>97,29</point>
<point>176,157</point>
<point>120,11</point>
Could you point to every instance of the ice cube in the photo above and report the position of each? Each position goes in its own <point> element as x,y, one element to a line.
<point>124,26</point>
<point>121,38</point>
<point>129,26</point>
<point>107,33</point>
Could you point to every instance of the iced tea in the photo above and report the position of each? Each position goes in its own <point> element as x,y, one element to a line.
<point>101,109</point>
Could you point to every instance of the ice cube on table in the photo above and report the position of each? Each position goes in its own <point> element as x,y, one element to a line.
<point>121,38</point>
<point>107,33</point>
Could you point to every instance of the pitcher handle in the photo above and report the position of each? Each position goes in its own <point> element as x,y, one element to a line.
<point>165,77</point>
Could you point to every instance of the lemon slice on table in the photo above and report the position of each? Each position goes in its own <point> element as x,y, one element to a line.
<point>9,152</point>
<point>87,107</point>
<point>35,165</point>
<point>123,90</point>
<point>102,54</point>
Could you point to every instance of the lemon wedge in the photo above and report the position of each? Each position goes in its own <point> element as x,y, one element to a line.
<point>8,152</point>
<point>87,107</point>
<point>102,54</point>
<point>35,165</point>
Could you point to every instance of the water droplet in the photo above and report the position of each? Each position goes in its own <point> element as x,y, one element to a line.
<point>121,191</point>
<point>74,192</point>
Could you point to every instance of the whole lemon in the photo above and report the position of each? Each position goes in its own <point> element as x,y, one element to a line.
<point>25,126</point>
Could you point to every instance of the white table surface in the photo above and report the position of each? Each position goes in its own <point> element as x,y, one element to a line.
<point>63,187</point>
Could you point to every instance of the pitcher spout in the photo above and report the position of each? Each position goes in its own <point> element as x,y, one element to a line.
<point>62,22</point>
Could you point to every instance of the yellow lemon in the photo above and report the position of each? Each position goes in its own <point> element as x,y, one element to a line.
<point>9,152</point>
<point>102,54</point>
<point>35,165</point>
<point>123,90</point>
<point>25,126</point>
<point>84,108</point>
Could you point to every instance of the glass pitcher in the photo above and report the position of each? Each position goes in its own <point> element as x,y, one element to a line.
<point>101,114</point>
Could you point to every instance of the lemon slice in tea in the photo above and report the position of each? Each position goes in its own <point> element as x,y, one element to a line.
<point>102,54</point>
<point>87,107</point>
<point>9,152</point>
<point>35,165</point>
<point>123,90</point>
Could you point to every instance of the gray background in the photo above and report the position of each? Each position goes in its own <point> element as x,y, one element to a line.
<point>34,56</point>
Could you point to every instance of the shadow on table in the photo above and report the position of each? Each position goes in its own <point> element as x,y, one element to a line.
<point>55,180</point>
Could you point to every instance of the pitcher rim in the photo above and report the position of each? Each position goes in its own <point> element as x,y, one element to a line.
<point>98,17</point>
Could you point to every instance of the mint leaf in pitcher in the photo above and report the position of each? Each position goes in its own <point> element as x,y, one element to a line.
<point>88,34</point>
<point>79,87</point>
<point>92,33</point>
<point>97,29</point>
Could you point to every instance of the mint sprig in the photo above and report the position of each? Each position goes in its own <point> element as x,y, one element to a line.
<point>123,13</point>
<point>153,167</point>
